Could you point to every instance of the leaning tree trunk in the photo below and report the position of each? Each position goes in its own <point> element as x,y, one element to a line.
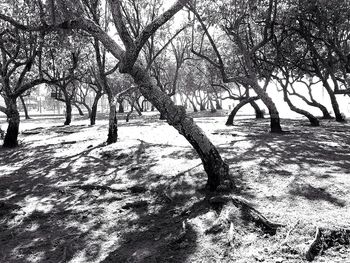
<point>275,124</point>
<point>24,108</point>
<point>94,109</point>
<point>314,103</point>
<point>325,113</point>
<point>259,114</point>
<point>68,112</point>
<point>216,169</point>
<point>231,117</point>
<point>334,102</point>
<point>313,120</point>
<point>87,107</point>
<point>81,113</point>
<point>13,119</point>
<point>113,122</point>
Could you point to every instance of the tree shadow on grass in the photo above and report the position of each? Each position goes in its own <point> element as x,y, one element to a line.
<point>313,155</point>
<point>68,208</point>
<point>315,193</point>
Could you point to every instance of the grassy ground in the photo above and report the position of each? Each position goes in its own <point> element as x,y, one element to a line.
<point>66,197</point>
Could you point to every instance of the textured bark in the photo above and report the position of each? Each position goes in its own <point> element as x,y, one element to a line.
<point>13,119</point>
<point>113,123</point>
<point>231,117</point>
<point>313,120</point>
<point>24,108</point>
<point>162,116</point>
<point>216,169</point>
<point>68,112</point>
<point>259,114</point>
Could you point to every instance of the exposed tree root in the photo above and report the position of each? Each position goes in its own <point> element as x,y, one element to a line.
<point>327,238</point>
<point>246,212</point>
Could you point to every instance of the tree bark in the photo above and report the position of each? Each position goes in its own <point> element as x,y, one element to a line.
<point>313,120</point>
<point>162,116</point>
<point>212,107</point>
<point>13,119</point>
<point>229,121</point>
<point>313,103</point>
<point>94,109</point>
<point>81,113</point>
<point>259,114</point>
<point>193,106</point>
<point>325,113</point>
<point>24,108</point>
<point>218,104</point>
<point>87,108</point>
<point>216,169</point>
<point>334,102</point>
<point>274,114</point>
<point>68,112</point>
<point>121,106</point>
<point>113,122</point>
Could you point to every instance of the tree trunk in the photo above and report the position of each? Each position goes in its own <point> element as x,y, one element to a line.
<point>202,107</point>
<point>231,117</point>
<point>140,106</point>
<point>216,169</point>
<point>212,107</point>
<point>162,116</point>
<point>13,119</point>
<point>113,122</point>
<point>24,108</point>
<point>313,120</point>
<point>129,113</point>
<point>274,114</point>
<point>259,114</point>
<point>94,109</point>
<point>313,103</point>
<point>334,102</point>
<point>68,112</point>
<point>81,113</point>
<point>193,106</point>
<point>121,106</point>
<point>218,104</point>
<point>326,115</point>
<point>87,108</point>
